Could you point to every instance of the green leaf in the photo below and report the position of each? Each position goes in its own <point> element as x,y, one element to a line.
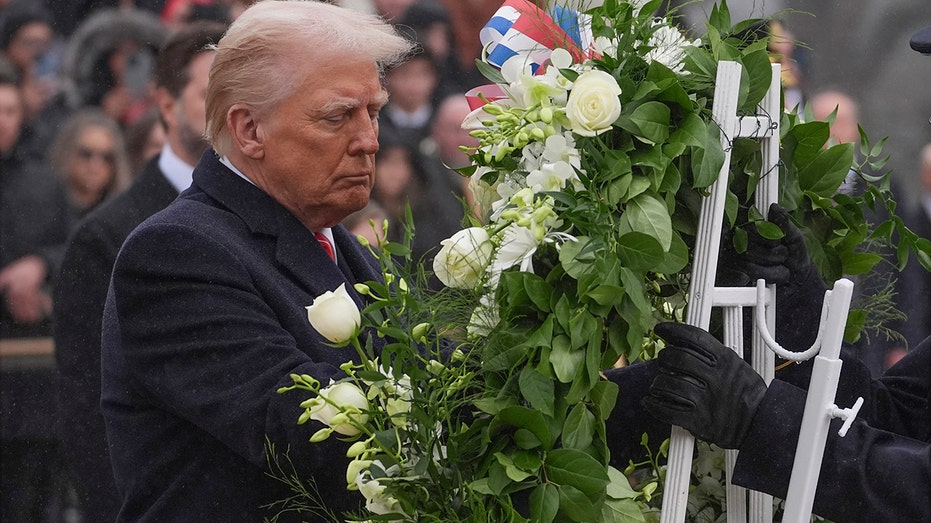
<point>640,251</point>
<point>621,511</point>
<point>575,505</point>
<point>530,419</point>
<point>647,214</point>
<point>538,290</point>
<point>576,468</point>
<point>498,479</point>
<point>544,503</point>
<point>769,230</point>
<point>690,131</point>
<point>856,319</point>
<point>565,361</point>
<point>490,72</point>
<point>648,121</point>
<point>609,294</point>
<point>579,429</point>
<point>581,328</point>
<point>503,359</point>
<point>740,240</point>
<point>860,262</point>
<point>824,174</point>
<point>513,472</point>
<point>619,487</point>
<point>604,397</point>
<point>809,139</point>
<point>759,73</point>
<point>675,259</point>
<point>707,161</point>
<point>720,17</point>
<point>537,389</point>
<point>577,257</point>
<point>636,292</point>
<point>923,252</point>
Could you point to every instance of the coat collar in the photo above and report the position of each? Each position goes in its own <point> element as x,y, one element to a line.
<point>297,249</point>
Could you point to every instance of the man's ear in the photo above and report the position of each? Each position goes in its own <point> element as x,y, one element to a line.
<point>243,123</point>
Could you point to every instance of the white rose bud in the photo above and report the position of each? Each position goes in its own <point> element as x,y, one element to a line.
<point>355,468</point>
<point>335,315</point>
<point>463,258</point>
<point>347,396</point>
<point>593,104</point>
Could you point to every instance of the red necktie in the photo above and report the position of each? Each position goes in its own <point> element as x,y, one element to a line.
<point>325,243</point>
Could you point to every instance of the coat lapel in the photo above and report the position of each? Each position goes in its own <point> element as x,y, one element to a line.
<point>296,248</point>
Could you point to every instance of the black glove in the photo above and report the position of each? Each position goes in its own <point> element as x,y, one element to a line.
<point>784,262</point>
<point>703,386</point>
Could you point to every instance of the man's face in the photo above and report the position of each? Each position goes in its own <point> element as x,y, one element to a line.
<point>319,144</point>
<point>186,117</point>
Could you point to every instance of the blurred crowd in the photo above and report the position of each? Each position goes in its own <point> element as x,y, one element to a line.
<point>80,120</point>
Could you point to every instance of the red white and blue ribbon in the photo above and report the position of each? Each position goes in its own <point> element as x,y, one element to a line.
<point>521,28</point>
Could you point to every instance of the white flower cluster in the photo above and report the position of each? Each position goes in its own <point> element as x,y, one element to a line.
<point>668,46</point>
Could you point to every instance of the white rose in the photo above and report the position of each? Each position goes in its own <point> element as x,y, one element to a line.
<point>463,258</point>
<point>593,104</point>
<point>344,398</point>
<point>335,315</point>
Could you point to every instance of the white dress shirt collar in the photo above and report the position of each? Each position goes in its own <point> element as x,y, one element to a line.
<point>176,170</point>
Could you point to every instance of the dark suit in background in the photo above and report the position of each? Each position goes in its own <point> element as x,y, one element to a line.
<point>205,320</point>
<point>914,283</point>
<point>79,300</point>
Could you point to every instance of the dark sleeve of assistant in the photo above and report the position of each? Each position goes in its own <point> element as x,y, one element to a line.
<point>869,475</point>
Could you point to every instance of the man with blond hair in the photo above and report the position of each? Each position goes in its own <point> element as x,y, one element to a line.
<point>205,316</point>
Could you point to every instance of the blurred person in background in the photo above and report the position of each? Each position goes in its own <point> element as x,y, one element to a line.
<point>107,63</point>
<point>27,38</point>
<point>427,21</point>
<point>144,139</point>
<point>468,17</point>
<point>33,228</point>
<point>181,72</point>
<point>411,87</point>
<point>90,154</point>
<point>34,222</point>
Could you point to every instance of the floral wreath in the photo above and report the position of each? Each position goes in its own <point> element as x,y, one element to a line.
<point>596,144</point>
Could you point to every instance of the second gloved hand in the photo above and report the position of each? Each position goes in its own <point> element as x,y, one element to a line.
<point>703,386</point>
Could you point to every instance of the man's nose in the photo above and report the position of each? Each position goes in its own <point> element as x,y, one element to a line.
<point>365,140</point>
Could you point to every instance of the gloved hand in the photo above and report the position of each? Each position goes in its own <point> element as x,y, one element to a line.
<point>703,386</point>
<point>784,262</point>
